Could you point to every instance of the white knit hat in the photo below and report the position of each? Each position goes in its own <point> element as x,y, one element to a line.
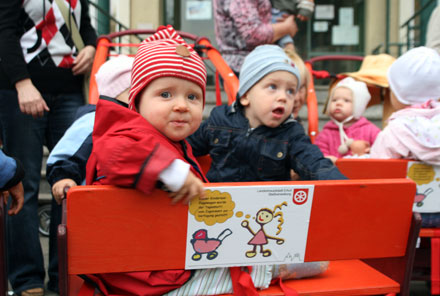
<point>415,76</point>
<point>114,76</point>
<point>361,95</point>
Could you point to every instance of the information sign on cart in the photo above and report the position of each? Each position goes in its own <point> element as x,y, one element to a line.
<point>427,178</point>
<point>248,225</point>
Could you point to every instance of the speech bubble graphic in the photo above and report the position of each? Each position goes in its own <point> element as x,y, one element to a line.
<point>217,207</point>
<point>421,173</point>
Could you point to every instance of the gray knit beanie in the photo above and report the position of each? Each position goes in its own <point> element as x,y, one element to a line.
<point>264,60</point>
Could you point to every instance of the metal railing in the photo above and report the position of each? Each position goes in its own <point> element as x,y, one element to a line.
<point>105,21</point>
<point>414,34</point>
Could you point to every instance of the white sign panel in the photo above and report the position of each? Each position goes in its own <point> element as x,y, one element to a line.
<point>248,225</point>
<point>320,27</point>
<point>427,178</point>
<point>324,12</point>
<point>198,10</point>
<point>343,35</point>
<point>346,16</point>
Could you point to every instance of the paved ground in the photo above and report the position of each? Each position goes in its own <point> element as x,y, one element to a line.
<point>418,288</point>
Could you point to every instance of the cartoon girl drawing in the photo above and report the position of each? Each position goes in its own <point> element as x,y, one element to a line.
<point>260,238</point>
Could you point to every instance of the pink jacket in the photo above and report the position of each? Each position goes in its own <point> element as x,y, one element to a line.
<point>412,133</point>
<point>328,140</point>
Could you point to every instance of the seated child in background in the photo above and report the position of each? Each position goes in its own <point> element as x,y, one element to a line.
<point>413,131</point>
<point>301,9</point>
<point>66,165</point>
<point>347,128</point>
<point>256,138</point>
<point>302,93</point>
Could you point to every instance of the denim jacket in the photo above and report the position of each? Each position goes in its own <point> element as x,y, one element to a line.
<point>240,153</point>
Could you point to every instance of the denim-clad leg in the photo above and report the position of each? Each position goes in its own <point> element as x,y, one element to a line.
<point>23,137</point>
<point>63,110</point>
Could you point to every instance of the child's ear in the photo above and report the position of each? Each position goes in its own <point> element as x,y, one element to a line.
<point>244,100</point>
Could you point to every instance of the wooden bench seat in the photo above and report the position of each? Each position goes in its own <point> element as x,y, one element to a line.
<point>370,220</point>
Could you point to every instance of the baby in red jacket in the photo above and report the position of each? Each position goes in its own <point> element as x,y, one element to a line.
<point>146,145</point>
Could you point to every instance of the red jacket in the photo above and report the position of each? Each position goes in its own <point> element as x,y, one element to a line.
<point>129,152</point>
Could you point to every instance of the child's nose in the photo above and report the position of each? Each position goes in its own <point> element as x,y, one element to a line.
<point>181,104</point>
<point>282,97</point>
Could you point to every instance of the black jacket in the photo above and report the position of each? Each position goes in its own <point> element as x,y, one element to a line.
<point>240,154</point>
<point>24,53</point>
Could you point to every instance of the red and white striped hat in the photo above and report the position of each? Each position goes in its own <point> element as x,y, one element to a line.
<point>165,54</point>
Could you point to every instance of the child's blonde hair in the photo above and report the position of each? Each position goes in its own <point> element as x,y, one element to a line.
<point>299,63</point>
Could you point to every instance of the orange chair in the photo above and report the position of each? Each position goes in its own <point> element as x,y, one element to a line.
<point>397,168</point>
<point>366,228</point>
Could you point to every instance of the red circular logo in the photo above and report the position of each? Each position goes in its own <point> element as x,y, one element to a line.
<point>300,196</point>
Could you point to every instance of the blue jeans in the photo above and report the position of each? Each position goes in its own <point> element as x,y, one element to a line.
<point>430,220</point>
<point>24,137</point>
<point>276,13</point>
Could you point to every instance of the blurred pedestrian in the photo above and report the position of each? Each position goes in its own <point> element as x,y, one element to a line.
<point>242,25</point>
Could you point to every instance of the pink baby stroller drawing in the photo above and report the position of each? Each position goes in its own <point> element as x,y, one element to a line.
<point>204,245</point>
<point>421,196</point>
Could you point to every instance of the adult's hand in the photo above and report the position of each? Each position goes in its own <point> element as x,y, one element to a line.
<point>84,61</point>
<point>29,99</point>
<point>17,194</point>
<point>302,18</point>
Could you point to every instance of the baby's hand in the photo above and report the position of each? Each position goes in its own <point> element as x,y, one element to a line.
<point>360,147</point>
<point>192,188</point>
<point>60,188</point>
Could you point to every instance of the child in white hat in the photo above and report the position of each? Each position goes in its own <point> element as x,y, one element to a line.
<point>347,128</point>
<point>413,131</point>
<point>66,165</point>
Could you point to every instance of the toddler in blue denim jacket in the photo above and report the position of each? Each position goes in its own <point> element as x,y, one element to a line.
<point>256,138</point>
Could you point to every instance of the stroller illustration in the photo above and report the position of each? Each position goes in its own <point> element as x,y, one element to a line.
<point>204,245</point>
<point>420,197</point>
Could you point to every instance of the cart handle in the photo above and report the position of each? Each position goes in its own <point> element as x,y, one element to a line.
<point>335,58</point>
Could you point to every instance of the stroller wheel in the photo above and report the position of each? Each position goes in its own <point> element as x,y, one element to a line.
<point>44,219</point>
<point>196,257</point>
<point>212,255</point>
